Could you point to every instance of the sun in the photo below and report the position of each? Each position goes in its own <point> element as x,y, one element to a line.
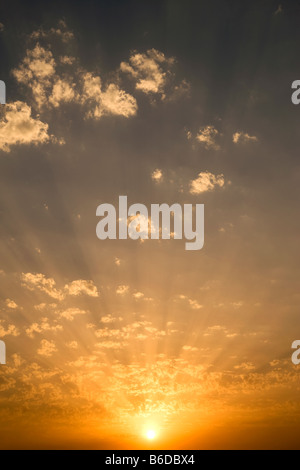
<point>151,434</point>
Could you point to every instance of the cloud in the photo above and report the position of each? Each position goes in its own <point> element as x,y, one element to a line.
<point>189,349</point>
<point>118,262</point>
<point>2,27</point>
<point>62,92</point>
<point>242,138</point>
<point>207,136</point>
<point>71,313</point>
<point>17,127</point>
<point>195,304</point>
<point>206,181</point>
<point>37,71</point>
<point>157,176</point>
<point>47,348</point>
<point>279,10</point>
<point>61,31</point>
<point>11,304</point>
<point>9,330</point>
<point>41,283</point>
<point>150,70</point>
<point>122,290</point>
<point>52,82</point>
<point>115,101</point>
<point>138,295</point>
<point>80,287</point>
<point>108,319</point>
<point>112,101</point>
<point>42,327</point>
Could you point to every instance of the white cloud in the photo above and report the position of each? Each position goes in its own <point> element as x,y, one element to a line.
<point>41,283</point>
<point>150,70</point>
<point>62,92</point>
<point>42,327</point>
<point>37,71</point>
<point>71,313</point>
<point>195,305</point>
<point>112,101</point>
<point>207,136</point>
<point>118,262</point>
<point>47,348</point>
<point>138,295</point>
<point>122,290</point>
<point>61,31</point>
<point>9,330</point>
<point>11,304</point>
<point>157,175</point>
<point>206,181</point>
<point>242,137</point>
<point>80,287</point>
<point>17,127</point>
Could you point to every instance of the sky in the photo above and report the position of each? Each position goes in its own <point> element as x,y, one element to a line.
<point>184,102</point>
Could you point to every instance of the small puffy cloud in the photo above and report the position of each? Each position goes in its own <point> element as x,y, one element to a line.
<point>82,287</point>
<point>112,101</point>
<point>157,176</point>
<point>41,307</point>
<point>11,304</point>
<point>150,70</point>
<point>1,27</point>
<point>118,262</point>
<point>18,127</point>
<point>138,295</point>
<point>195,305</point>
<point>9,330</point>
<point>207,136</point>
<point>60,31</point>
<point>243,138</point>
<point>115,101</point>
<point>67,60</point>
<point>108,319</point>
<point>37,72</point>
<point>206,181</point>
<point>41,283</point>
<point>47,348</point>
<point>189,349</point>
<point>42,327</point>
<point>122,290</point>
<point>71,313</point>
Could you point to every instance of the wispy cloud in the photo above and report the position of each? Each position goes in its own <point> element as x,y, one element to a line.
<point>243,137</point>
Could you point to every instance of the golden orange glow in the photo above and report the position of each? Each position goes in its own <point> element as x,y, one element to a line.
<point>122,344</point>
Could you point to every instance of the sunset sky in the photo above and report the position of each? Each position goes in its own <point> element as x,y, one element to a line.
<point>136,345</point>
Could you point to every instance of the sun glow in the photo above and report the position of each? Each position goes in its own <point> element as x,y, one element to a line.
<point>151,434</point>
